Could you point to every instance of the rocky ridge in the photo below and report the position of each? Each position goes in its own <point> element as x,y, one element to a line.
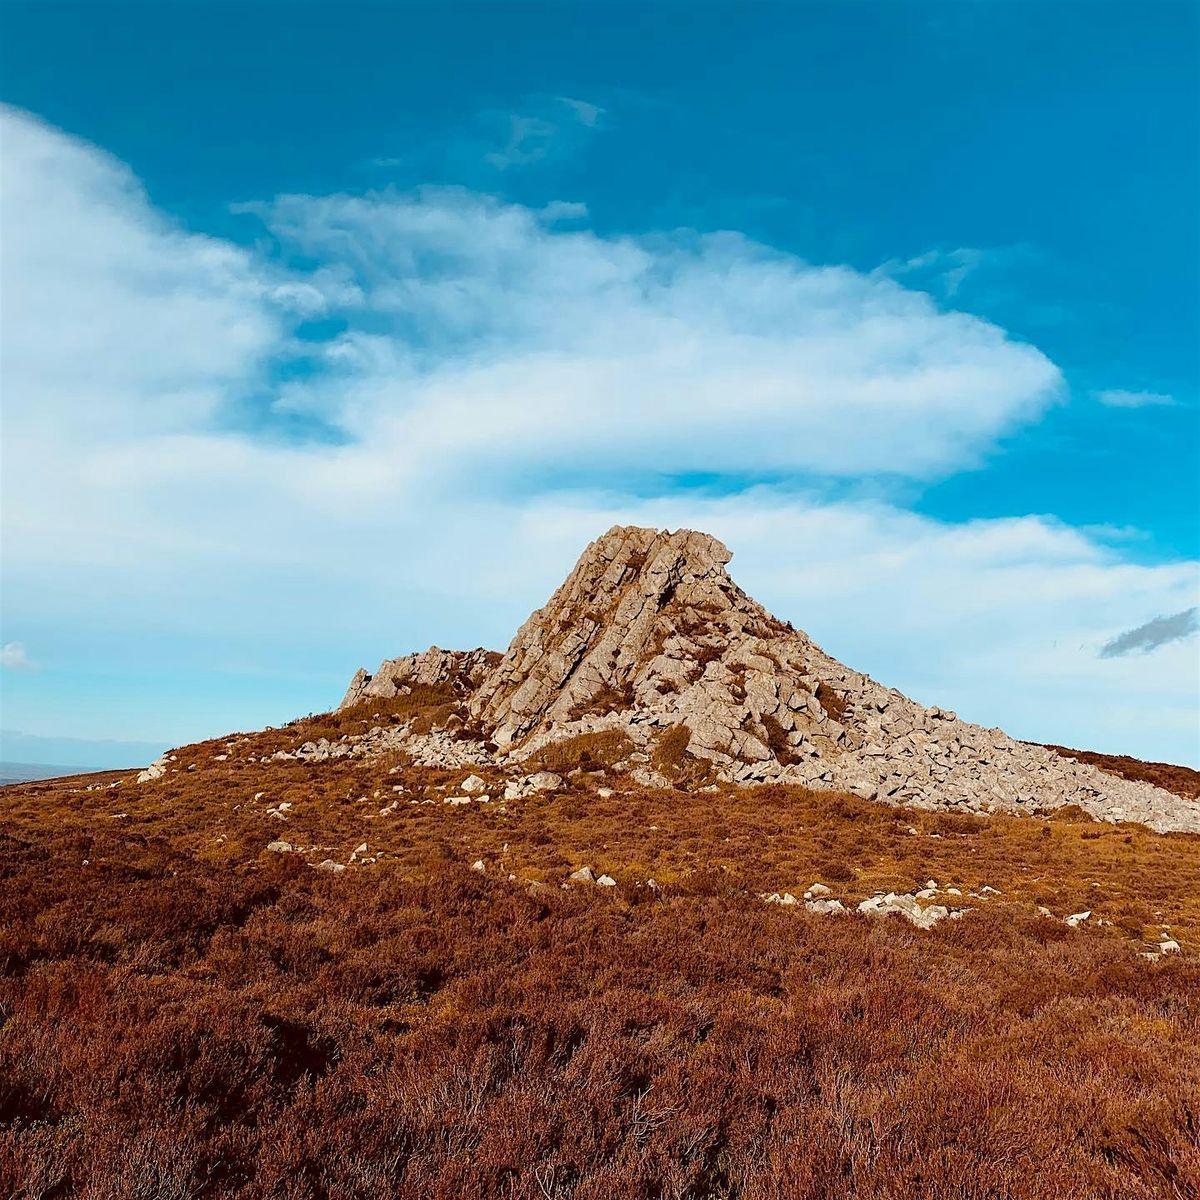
<point>649,638</point>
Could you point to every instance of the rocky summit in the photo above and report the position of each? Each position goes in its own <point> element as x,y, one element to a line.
<point>650,646</point>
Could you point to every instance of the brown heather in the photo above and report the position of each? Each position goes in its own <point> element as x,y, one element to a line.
<point>184,1014</point>
<point>1183,781</point>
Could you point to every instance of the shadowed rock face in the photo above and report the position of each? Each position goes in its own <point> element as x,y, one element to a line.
<point>649,636</point>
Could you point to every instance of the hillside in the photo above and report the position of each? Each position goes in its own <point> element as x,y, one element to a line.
<point>464,938</point>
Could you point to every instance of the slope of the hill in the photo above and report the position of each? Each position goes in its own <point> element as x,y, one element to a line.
<point>1181,781</point>
<point>255,976</point>
<point>649,639</point>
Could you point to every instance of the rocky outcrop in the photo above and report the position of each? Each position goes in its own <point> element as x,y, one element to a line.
<point>634,623</point>
<point>461,670</point>
<point>648,636</point>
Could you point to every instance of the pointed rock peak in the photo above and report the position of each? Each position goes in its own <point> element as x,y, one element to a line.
<point>640,615</point>
<point>635,545</point>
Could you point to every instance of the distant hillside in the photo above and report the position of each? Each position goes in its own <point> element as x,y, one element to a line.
<point>21,772</point>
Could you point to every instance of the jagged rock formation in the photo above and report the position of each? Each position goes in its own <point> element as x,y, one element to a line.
<point>636,626</point>
<point>649,637</point>
<point>462,670</point>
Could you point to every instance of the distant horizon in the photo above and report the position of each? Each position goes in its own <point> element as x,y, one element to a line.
<point>12,773</point>
<point>24,750</point>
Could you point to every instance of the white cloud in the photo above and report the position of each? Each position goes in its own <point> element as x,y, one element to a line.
<point>1116,398</point>
<point>506,338</point>
<point>500,382</point>
<point>14,658</point>
<point>87,339</point>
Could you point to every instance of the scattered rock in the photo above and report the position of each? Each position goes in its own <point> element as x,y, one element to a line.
<point>479,865</point>
<point>907,907</point>
<point>281,847</point>
<point>472,784</point>
<point>332,867</point>
<point>583,875</point>
<point>156,770</point>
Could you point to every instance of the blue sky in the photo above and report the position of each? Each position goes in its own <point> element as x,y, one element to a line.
<point>332,331</point>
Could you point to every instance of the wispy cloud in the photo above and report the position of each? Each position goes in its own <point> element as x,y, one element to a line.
<point>1117,398</point>
<point>1161,631</point>
<point>943,271</point>
<point>14,658</point>
<point>552,126</point>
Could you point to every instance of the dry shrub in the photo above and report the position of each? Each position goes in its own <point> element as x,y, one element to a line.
<point>671,758</point>
<point>777,740</point>
<point>957,824</point>
<point>590,751</point>
<point>834,703</point>
<point>837,872</point>
<point>1073,812</point>
<point>289,1034</point>
<point>606,700</point>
